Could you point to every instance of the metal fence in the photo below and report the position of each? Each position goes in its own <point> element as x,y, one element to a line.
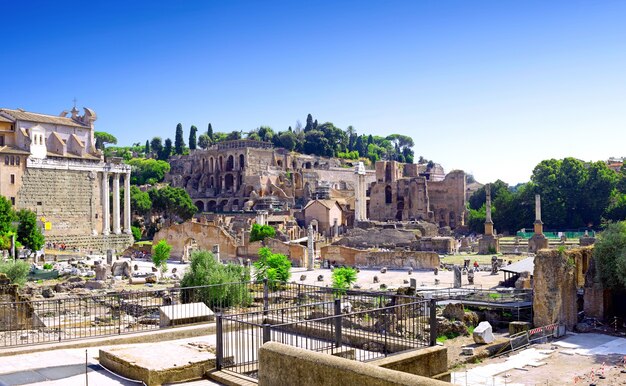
<point>362,333</point>
<point>89,316</point>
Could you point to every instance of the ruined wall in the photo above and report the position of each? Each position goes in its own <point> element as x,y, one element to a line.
<point>69,199</point>
<point>205,236</point>
<point>375,259</point>
<point>447,199</point>
<point>557,279</point>
<point>295,252</point>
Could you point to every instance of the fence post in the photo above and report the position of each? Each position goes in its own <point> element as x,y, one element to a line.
<point>59,318</point>
<point>386,328</point>
<point>338,322</point>
<point>119,315</point>
<point>219,342</point>
<point>266,333</point>
<point>266,304</point>
<point>433,321</point>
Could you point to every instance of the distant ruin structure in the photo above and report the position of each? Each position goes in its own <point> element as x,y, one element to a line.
<point>489,242</point>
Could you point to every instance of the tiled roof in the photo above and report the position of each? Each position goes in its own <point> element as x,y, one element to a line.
<point>5,119</point>
<point>43,118</point>
<point>12,150</point>
<point>327,203</point>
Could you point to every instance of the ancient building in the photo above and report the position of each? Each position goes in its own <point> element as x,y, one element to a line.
<point>244,174</point>
<point>49,164</point>
<point>402,192</point>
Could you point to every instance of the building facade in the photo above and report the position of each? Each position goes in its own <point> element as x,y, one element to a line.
<point>49,164</point>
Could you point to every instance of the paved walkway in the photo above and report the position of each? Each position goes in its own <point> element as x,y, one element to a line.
<point>66,367</point>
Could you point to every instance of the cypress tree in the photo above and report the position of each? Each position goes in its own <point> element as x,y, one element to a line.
<point>210,132</point>
<point>179,143</point>
<point>192,137</point>
<point>146,149</point>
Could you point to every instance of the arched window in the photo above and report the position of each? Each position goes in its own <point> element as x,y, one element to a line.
<point>241,161</point>
<point>388,197</point>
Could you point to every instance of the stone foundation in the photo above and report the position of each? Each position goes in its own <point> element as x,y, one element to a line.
<point>97,243</point>
<point>489,244</point>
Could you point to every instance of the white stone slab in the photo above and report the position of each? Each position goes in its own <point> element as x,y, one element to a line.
<point>184,314</point>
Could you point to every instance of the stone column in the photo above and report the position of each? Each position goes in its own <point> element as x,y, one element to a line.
<point>360,206</point>
<point>127,229</point>
<point>488,221</point>
<point>106,228</point>
<point>538,223</point>
<point>311,248</point>
<point>116,204</point>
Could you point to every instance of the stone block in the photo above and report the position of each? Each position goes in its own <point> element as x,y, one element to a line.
<point>184,314</point>
<point>517,327</point>
<point>467,351</point>
<point>483,333</point>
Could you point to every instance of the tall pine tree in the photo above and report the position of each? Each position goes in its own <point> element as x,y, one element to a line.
<point>146,149</point>
<point>179,142</point>
<point>192,137</point>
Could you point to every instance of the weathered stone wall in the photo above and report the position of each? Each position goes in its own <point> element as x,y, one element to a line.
<point>295,252</point>
<point>557,278</point>
<point>375,259</point>
<point>205,236</point>
<point>280,364</point>
<point>69,199</point>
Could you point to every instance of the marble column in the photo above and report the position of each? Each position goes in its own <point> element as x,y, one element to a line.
<point>116,204</point>
<point>538,225</point>
<point>105,204</point>
<point>311,248</point>
<point>360,203</point>
<point>488,221</point>
<point>127,229</point>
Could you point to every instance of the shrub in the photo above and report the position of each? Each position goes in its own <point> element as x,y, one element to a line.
<point>160,254</point>
<point>136,232</point>
<point>206,270</point>
<point>609,254</point>
<point>261,232</point>
<point>343,278</point>
<point>16,271</point>
<point>47,266</point>
<point>274,267</point>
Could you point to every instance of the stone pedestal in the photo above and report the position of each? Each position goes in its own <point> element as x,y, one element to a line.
<point>537,242</point>
<point>488,244</point>
<point>457,277</point>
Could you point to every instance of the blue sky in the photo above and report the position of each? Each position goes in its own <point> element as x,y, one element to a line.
<point>491,87</point>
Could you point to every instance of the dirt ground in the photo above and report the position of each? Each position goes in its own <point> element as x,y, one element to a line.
<point>554,365</point>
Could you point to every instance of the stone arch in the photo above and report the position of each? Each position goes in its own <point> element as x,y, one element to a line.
<point>211,165</point>
<point>452,219</point>
<point>222,205</point>
<point>399,209</point>
<point>234,204</point>
<point>306,165</point>
<point>229,182</point>
<point>241,161</point>
<point>211,205</point>
<point>212,182</point>
<point>200,206</point>
<point>314,223</point>
<point>220,163</point>
<point>294,165</point>
<point>388,195</point>
<point>297,180</point>
<point>388,172</point>
<point>316,165</point>
<point>279,163</point>
<point>240,181</point>
<point>230,163</point>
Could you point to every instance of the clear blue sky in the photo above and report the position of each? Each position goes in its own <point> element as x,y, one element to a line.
<point>491,87</point>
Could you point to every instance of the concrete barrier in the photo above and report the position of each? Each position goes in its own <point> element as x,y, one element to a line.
<point>286,365</point>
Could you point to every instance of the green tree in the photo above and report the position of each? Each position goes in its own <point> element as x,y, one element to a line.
<point>103,138</point>
<point>140,201</point>
<point>228,282</point>
<point>265,133</point>
<point>179,142</point>
<point>261,232</point>
<point>146,148</point>
<point>204,141</point>
<point>166,151</point>
<point>609,256</point>
<point>156,145</point>
<point>233,135</point>
<point>172,202</point>
<point>210,133</point>
<point>343,278</point>
<point>7,216</point>
<point>160,254</point>
<point>28,233</point>
<point>192,137</point>
<point>274,267</point>
<point>288,140</point>
<point>148,171</point>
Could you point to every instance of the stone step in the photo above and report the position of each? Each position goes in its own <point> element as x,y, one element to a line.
<point>230,378</point>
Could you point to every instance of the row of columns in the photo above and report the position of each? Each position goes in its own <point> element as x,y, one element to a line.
<point>106,225</point>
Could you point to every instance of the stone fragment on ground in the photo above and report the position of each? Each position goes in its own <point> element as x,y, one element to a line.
<point>483,333</point>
